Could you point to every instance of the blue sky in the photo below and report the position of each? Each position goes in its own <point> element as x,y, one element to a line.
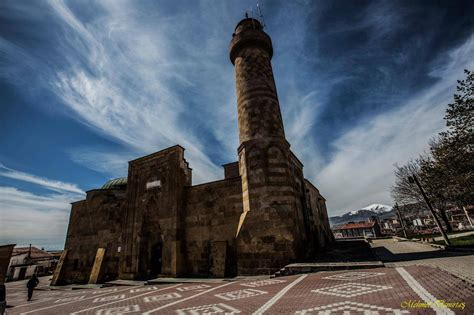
<point>86,86</point>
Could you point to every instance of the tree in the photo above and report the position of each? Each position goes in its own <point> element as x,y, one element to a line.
<point>453,151</point>
<point>447,172</point>
<point>405,192</point>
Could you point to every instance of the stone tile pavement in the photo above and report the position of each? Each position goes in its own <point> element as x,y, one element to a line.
<point>401,254</point>
<point>401,290</point>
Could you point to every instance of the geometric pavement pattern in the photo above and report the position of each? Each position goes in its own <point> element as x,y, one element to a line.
<point>118,310</point>
<point>240,294</point>
<point>354,275</point>
<point>261,283</point>
<point>220,308</point>
<point>109,298</point>
<point>147,288</point>
<point>161,297</point>
<point>70,299</point>
<point>348,307</point>
<point>351,289</point>
<point>104,291</point>
<point>194,287</point>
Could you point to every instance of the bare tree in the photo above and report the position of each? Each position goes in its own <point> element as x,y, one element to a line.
<point>405,192</point>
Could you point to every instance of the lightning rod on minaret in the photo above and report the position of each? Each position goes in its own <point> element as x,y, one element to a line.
<point>260,15</point>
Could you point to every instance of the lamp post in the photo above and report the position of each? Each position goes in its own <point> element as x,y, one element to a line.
<point>414,179</point>
<point>401,220</point>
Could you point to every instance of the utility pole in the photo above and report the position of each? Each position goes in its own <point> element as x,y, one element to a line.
<point>467,216</point>
<point>414,179</point>
<point>401,220</point>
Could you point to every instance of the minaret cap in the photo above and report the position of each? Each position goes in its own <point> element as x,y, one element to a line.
<point>247,24</point>
<point>249,32</point>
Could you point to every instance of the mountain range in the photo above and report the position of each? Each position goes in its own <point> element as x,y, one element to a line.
<point>378,210</point>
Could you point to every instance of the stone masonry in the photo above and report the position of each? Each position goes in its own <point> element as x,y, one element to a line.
<point>263,215</point>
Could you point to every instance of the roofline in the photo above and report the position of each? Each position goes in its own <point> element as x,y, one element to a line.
<point>214,182</point>
<point>294,155</point>
<point>312,185</point>
<point>230,163</point>
<point>105,189</point>
<point>6,245</point>
<point>77,201</point>
<point>151,154</point>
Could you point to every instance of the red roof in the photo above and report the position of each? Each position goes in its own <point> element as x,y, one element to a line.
<point>355,225</point>
<point>35,252</point>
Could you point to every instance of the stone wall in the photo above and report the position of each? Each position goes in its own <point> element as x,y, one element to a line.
<point>320,228</point>
<point>231,170</point>
<point>154,229</point>
<point>95,222</point>
<point>212,214</point>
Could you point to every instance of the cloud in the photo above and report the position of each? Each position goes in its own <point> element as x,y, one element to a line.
<point>111,163</point>
<point>129,86</point>
<point>31,217</point>
<point>150,75</point>
<point>27,218</point>
<point>54,185</point>
<point>360,171</point>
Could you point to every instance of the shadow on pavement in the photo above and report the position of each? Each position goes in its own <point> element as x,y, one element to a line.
<point>387,256</point>
<point>347,251</point>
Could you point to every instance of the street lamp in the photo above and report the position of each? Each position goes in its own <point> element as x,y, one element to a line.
<point>402,224</point>
<point>413,179</point>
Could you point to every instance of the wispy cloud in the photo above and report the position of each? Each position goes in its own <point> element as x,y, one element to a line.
<point>27,218</point>
<point>110,163</point>
<point>31,217</point>
<point>55,185</point>
<point>361,168</point>
<point>130,87</point>
<point>148,75</point>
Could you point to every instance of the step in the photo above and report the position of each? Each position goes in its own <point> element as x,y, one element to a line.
<point>298,268</point>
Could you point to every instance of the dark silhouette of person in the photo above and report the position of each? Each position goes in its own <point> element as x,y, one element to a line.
<point>31,284</point>
<point>3,302</point>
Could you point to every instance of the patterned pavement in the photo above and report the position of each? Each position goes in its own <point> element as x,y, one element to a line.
<point>401,290</point>
<point>402,254</point>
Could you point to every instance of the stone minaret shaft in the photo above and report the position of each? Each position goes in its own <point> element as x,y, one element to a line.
<point>258,107</point>
<point>271,206</point>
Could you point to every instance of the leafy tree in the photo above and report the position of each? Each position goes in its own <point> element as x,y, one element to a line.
<point>453,151</point>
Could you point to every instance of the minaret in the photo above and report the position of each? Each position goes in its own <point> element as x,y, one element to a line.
<point>269,226</point>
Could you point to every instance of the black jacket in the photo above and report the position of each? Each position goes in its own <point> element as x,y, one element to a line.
<point>33,282</point>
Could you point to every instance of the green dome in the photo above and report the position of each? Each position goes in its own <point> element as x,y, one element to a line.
<point>116,183</point>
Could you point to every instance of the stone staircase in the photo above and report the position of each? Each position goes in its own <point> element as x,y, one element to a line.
<point>298,268</point>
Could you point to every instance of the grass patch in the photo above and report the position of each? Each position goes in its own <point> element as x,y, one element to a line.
<point>463,241</point>
<point>432,235</point>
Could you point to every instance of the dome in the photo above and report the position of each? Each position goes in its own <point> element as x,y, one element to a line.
<point>116,183</point>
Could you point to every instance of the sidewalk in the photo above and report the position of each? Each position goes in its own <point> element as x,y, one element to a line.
<point>398,254</point>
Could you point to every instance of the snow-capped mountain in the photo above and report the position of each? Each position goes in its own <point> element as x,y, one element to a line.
<point>378,210</point>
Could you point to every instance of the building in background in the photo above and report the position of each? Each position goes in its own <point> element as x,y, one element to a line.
<point>5,256</point>
<point>27,261</point>
<point>366,229</point>
<point>263,215</point>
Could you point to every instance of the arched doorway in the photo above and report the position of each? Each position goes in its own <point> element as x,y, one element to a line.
<point>156,261</point>
<point>151,243</point>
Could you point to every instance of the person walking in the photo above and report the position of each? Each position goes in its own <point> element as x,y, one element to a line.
<point>3,302</point>
<point>31,284</point>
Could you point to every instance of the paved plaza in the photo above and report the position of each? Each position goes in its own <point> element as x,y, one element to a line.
<point>402,290</point>
<point>406,253</point>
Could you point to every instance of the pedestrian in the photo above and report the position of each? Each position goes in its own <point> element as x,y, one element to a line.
<point>31,284</point>
<point>3,302</point>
